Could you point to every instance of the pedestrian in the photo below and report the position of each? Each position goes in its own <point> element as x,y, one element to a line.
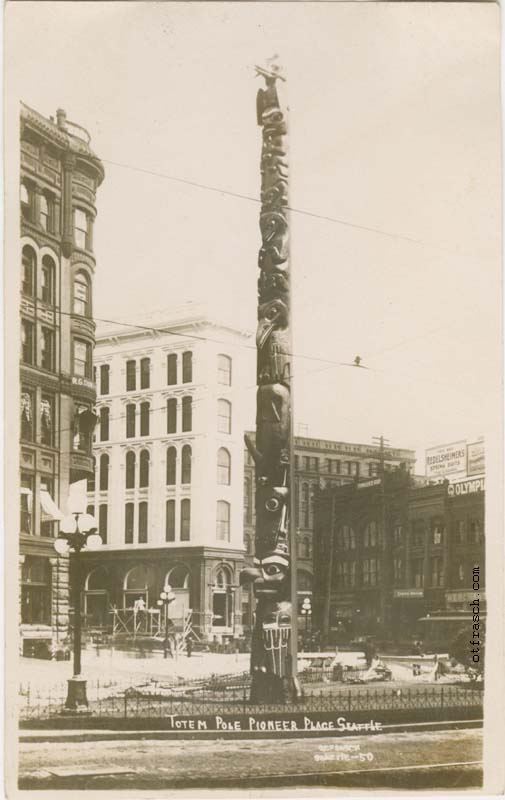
<point>189,646</point>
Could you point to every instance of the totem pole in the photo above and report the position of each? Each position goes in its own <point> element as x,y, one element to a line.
<point>273,654</point>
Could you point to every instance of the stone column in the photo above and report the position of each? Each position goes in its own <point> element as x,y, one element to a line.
<point>59,598</point>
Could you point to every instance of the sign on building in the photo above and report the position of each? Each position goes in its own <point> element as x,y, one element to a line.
<point>475,460</point>
<point>466,487</point>
<point>446,460</point>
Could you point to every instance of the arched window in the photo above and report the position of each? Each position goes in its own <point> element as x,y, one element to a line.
<point>130,470</point>
<point>171,466</point>
<point>145,373</point>
<point>145,411</point>
<point>187,413</point>
<point>172,415</point>
<point>130,421</point>
<point>223,416</point>
<point>178,577</point>
<point>138,581</point>
<point>170,521</point>
<point>144,469</point>
<point>223,466</point>
<point>104,423</point>
<point>47,282</point>
<point>304,581</point>
<point>185,519</point>
<point>104,472</point>
<point>29,262</point>
<point>186,464</point>
<point>187,367</point>
<point>224,370</point>
<point>27,202</point>
<point>96,598</point>
<point>223,521</point>
<point>82,304</point>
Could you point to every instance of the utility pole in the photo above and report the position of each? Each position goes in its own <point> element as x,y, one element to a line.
<point>384,582</point>
<point>274,639</point>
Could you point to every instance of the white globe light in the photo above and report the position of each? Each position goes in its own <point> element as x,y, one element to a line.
<point>61,546</point>
<point>94,542</point>
<point>163,595</point>
<point>68,524</point>
<point>159,602</point>
<point>87,522</point>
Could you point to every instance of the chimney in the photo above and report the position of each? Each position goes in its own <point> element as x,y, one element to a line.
<point>61,118</point>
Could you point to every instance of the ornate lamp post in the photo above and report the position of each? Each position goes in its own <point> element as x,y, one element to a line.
<point>77,531</point>
<point>306,611</point>
<point>167,596</point>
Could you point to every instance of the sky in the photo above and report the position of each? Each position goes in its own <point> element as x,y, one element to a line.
<point>395,181</point>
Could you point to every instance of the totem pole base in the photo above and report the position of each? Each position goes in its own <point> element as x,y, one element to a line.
<point>268,689</point>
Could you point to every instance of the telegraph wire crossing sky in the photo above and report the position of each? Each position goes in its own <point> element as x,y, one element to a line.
<point>392,258</point>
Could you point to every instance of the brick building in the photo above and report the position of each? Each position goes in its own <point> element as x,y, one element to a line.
<point>59,178</point>
<point>394,559</point>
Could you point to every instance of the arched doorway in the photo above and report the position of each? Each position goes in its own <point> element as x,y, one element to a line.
<point>178,578</point>
<point>136,587</point>
<point>96,598</point>
<point>222,600</point>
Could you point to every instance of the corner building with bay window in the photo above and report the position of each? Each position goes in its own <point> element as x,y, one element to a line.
<point>59,178</point>
<point>168,483</point>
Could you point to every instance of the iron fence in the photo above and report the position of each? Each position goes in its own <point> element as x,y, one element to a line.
<point>153,700</point>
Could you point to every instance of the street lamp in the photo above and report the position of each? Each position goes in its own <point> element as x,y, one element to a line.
<point>167,596</point>
<point>77,531</point>
<point>306,611</point>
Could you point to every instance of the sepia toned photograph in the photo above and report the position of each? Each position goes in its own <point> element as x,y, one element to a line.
<point>253,426</point>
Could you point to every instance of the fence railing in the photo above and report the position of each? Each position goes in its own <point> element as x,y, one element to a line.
<point>113,700</point>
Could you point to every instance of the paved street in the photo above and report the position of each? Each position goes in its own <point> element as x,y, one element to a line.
<point>438,759</point>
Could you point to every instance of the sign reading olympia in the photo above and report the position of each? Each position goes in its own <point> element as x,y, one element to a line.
<point>446,460</point>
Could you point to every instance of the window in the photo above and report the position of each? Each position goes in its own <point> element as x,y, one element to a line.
<point>460,531</point>
<point>223,521</point>
<point>397,570</point>
<point>91,483</point>
<point>144,469</point>
<point>186,464</point>
<point>47,420</point>
<point>398,533</point>
<point>185,519</point>
<point>247,500</point>
<point>315,462</point>
<point>297,462</point>
<point>337,467</point>
<point>170,521</point>
<point>28,264</point>
<point>346,538</point>
<point>172,369</point>
<point>223,416</point>
<point>461,573</point>
<point>187,367</point>
<point>84,425</point>
<point>171,466</point>
<point>46,519</point>
<point>304,508</point>
<point>27,202</point>
<point>142,522</point>
<point>145,373</point>
<point>223,467</point>
<point>306,463</point>
<point>371,536</point>
<point>306,548</point>
<point>475,531</point>
<point>47,281</point>
<point>104,472</point>
<point>46,213</point>
<point>131,376</point>
<point>224,370</point>
<point>104,379</point>
<point>187,413</point>
<point>437,533</point>
<point>104,423</point>
<point>128,525</point>
<point>82,305</point>
<point>130,421</point>
<point>371,572</point>
<point>26,503</point>
<point>47,347</point>
<point>172,415</point>
<point>36,591</point>
<point>27,414</point>
<point>436,572</point>
<point>417,573</point>
<point>130,470</point>
<point>82,358</point>
<point>418,533</point>
<point>27,341</point>
<point>102,522</point>
<point>80,228</point>
<point>144,419</point>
